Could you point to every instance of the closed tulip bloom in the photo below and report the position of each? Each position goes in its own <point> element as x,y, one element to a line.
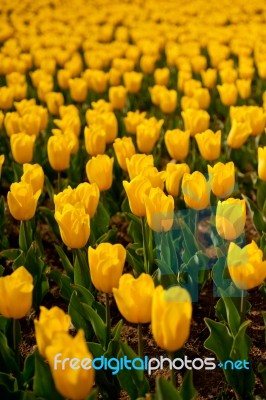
<point>147,63</point>
<point>244,88</point>
<point>246,266</point>
<point>12,123</point>
<point>199,63</point>
<point>89,195</point>
<point>33,174</point>
<point>171,317</point>
<point>6,98</point>
<point>209,78</point>
<point>124,148</point>
<point>257,119</point>
<point>100,171</point>
<point>95,139</point>
<point>132,120</point>
<point>109,123</point>
<point>147,137</point>
<point>168,101</point>
<point>196,121</point>
<point>17,286</point>
<point>228,93</point>
<point>177,143</point>
<point>159,210</point>
<point>71,382</point>
<point>99,81</point>
<point>262,69</point>
<point>161,76</point>
<point>155,177</point>
<point>238,134</point>
<point>189,102</point>
<point>222,177</point>
<point>2,160</point>
<point>133,81</point>
<point>58,152</point>
<point>54,100</point>
<point>230,218</point>
<point>67,196</point>
<point>196,190</point>
<point>106,264</point>
<point>174,175</point>
<point>22,201</point>
<point>74,225</point>
<point>30,124</point>
<point>63,77</point>
<point>137,164</point>
<point>262,163</point>
<point>22,147</point>
<point>134,298</point>
<point>78,89</point>
<point>50,322</point>
<point>190,86</point>
<point>117,97</point>
<point>228,75</point>
<point>156,92</point>
<point>209,144</point>
<point>136,191</point>
<point>203,98</point>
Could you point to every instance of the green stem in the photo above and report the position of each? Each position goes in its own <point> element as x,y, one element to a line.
<point>59,181</point>
<point>140,341</point>
<point>26,231</point>
<point>82,266</point>
<point>173,378</point>
<point>145,245</point>
<point>242,302</point>
<point>107,318</point>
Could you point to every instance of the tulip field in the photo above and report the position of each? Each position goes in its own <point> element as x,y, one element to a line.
<point>132,200</point>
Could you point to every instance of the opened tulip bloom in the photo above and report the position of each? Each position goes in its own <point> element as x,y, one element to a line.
<point>34,175</point>
<point>89,195</point>
<point>134,297</point>
<point>22,201</point>
<point>137,163</point>
<point>16,293</point>
<point>171,317</point>
<point>246,266</point>
<point>195,121</point>
<point>106,264</point>
<point>230,218</point>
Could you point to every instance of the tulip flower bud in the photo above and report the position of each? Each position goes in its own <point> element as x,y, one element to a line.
<point>67,196</point>
<point>72,383</point>
<point>78,89</point>
<point>117,97</point>
<point>177,143</point>
<point>230,218</point>
<point>106,264</point>
<point>63,77</point>
<point>54,100</point>
<point>34,175</point>
<point>134,298</point>
<point>246,266</point>
<point>257,119</point>
<point>6,98</point>
<point>99,80</point>
<point>147,136</point>
<point>19,286</point>
<point>109,123</point>
<point>30,123</point>
<point>222,177</point>
<point>94,139</point>
<point>133,81</point>
<point>12,123</point>
<point>22,201</point>
<point>22,147</point>
<point>244,88</point>
<point>161,76</point>
<point>124,149</point>
<point>228,75</point>
<point>190,86</point>
<point>171,333</point>
<point>137,164</point>
<point>132,120</point>
<point>147,63</point>
<point>174,175</point>
<point>136,191</point>
<point>228,94</point>
<point>159,210</point>
<point>238,134</point>
<point>89,195</point>
<point>196,190</point>
<point>50,322</point>
<point>196,121</point>
<point>74,225</point>
<point>209,144</point>
<point>262,163</point>
<point>58,152</point>
<point>100,171</point>
<point>203,98</point>
<point>168,101</point>
<point>209,78</point>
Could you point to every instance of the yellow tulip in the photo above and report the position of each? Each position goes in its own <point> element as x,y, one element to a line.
<point>155,177</point>
<point>34,175</point>
<point>117,97</point>
<point>12,123</point>
<point>54,100</point>
<point>189,102</point>
<point>22,147</point>
<point>22,201</point>
<point>147,63</point>
<point>168,101</point>
<point>174,175</point>
<point>72,383</point>
<point>238,134</point>
<point>262,163</point>
<point>171,333</point>
<point>30,123</point>
<point>58,152</point>
<point>99,81</point>
<point>159,210</point>
<point>177,143</point>
<point>228,93</point>
<point>2,117</point>
<point>50,322</point>
<point>67,196</point>
<point>244,88</point>
<point>156,93</point>
<point>257,118</point>
<point>78,89</point>
<point>133,81</point>
<point>228,75</point>
<point>203,98</point>
<point>106,264</point>
<point>209,78</point>
<point>6,98</point>
<point>136,191</point>
<point>222,177</point>
<point>147,136</point>
<point>134,298</point>
<point>132,120</point>
<point>137,163</point>
<point>196,121</point>
<point>2,160</point>
<point>161,76</point>
<point>230,218</point>
<point>246,266</point>
<point>19,286</point>
<point>74,225</point>
<point>209,144</point>
<point>100,171</point>
<point>196,190</point>
<point>63,77</point>
<point>89,195</point>
<point>190,86</point>
<point>94,139</point>
<point>124,149</point>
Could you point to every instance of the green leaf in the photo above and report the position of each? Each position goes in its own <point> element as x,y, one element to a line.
<point>29,368</point>
<point>81,270</point>
<point>78,318</point>
<point>165,390</point>
<point>8,381</point>
<point>187,390</point>
<point>100,221</point>
<point>48,215</point>
<point>241,344</point>
<point>262,371</point>
<point>64,282</point>
<point>97,323</point>
<point>109,236</point>
<point>87,297</point>
<point>11,254</point>
<point>68,267</point>
<point>49,188</point>
<point>220,341</point>
<point>93,395</point>
<point>133,259</point>
<point>256,214</point>
<point>232,314</point>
